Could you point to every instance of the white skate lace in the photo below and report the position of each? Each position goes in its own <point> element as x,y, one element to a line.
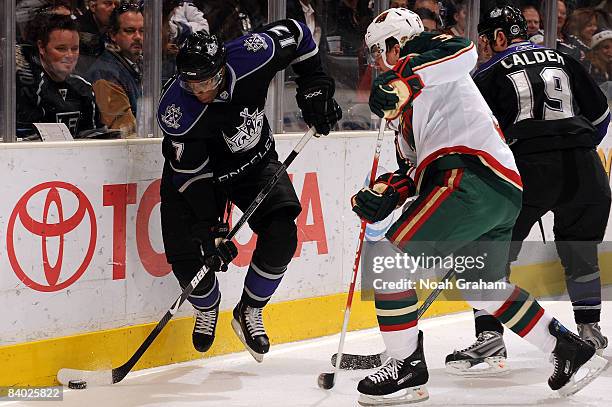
<point>205,321</point>
<point>254,321</point>
<point>483,337</point>
<point>388,371</point>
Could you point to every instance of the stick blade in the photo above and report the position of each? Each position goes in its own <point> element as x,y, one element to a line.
<point>92,377</point>
<point>326,381</point>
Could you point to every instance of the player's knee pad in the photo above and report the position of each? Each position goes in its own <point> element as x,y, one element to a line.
<point>185,271</point>
<point>276,239</point>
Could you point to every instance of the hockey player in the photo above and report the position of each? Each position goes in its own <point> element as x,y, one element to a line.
<point>553,116</point>
<point>218,147</point>
<point>469,190</point>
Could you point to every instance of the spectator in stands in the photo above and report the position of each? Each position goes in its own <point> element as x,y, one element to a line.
<point>429,19</point>
<point>184,19</point>
<point>305,12</point>
<point>532,16</point>
<point>564,43</point>
<point>233,18</point>
<point>27,13</point>
<point>601,56</point>
<point>456,14</point>
<point>582,23</point>
<point>398,3</point>
<point>116,75</point>
<point>53,94</point>
<point>353,18</point>
<point>93,28</point>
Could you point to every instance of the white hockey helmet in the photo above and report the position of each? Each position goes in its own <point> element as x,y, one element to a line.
<point>399,23</point>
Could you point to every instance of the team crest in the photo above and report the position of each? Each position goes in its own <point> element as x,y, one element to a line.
<point>496,13</point>
<point>172,116</point>
<point>514,30</point>
<point>211,48</point>
<point>255,43</point>
<point>248,133</point>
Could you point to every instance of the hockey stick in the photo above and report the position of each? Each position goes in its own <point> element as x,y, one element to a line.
<point>111,376</point>
<point>327,380</point>
<point>353,362</point>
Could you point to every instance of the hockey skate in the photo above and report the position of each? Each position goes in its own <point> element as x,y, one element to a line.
<point>571,354</point>
<point>489,351</point>
<point>397,381</point>
<point>591,333</point>
<point>203,334</point>
<point>248,325</point>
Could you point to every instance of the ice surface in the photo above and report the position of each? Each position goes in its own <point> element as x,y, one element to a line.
<point>288,375</point>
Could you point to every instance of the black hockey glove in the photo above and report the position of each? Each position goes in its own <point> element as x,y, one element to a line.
<point>388,192</point>
<point>315,97</point>
<point>216,252</point>
<point>218,258</point>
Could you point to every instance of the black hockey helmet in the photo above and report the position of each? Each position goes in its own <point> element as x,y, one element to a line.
<point>508,19</point>
<point>201,56</point>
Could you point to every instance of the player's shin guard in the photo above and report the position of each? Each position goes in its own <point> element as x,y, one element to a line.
<point>398,381</point>
<point>397,320</point>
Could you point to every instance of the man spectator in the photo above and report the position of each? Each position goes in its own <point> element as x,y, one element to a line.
<point>532,16</point>
<point>52,93</point>
<point>116,75</point>
<point>429,19</point>
<point>93,26</point>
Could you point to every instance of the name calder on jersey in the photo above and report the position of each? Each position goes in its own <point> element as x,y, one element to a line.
<point>532,58</point>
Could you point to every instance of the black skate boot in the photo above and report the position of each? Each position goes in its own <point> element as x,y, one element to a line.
<point>248,325</point>
<point>204,329</point>
<point>489,348</point>
<point>570,354</point>
<point>591,333</point>
<point>397,381</point>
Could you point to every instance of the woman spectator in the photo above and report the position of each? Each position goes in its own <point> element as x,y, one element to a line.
<point>601,56</point>
<point>582,23</point>
<point>52,93</point>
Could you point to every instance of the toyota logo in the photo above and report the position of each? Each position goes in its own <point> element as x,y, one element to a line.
<point>65,224</point>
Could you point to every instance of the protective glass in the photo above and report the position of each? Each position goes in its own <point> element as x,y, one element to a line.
<point>372,53</point>
<point>207,85</point>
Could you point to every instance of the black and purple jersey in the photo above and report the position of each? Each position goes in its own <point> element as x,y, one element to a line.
<point>543,99</point>
<point>224,139</point>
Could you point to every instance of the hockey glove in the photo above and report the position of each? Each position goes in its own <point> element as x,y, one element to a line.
<point>315,97</point>
<point>388,192</point>
<point>392,93</point>
<point>221,256</point>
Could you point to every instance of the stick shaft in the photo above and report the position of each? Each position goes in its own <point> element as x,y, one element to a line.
<point>349,300</point>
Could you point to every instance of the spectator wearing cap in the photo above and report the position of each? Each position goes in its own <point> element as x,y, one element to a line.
<point>600,56</point>
<point>116,75</point>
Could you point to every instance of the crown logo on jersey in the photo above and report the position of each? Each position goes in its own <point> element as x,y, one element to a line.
<point>248,133</point>
<point>255,43</point>
<point>211,48</point>
<point>172,116</point>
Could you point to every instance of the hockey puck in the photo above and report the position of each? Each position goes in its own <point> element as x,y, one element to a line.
<point>77,384</point>
<point>326,381</point>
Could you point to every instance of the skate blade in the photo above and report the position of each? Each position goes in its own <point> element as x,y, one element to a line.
<point>497,366</point>
<point>403,396</point>
<point>238,331</point>
<point>596,365</point>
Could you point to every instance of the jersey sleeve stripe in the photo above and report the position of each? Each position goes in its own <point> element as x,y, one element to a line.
<point>448,58</point>
<point>305,56</point>
<point>602,117</point>
<point>194,179</point>
<point>194,171</point>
